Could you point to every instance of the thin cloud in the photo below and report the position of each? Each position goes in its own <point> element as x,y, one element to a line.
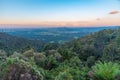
<point>114,12</point>
<point>98,19</point>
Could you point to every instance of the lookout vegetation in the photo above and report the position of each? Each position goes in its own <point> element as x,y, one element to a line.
<point>93,57</point>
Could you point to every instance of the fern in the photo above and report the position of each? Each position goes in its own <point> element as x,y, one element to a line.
<point>106,71</point>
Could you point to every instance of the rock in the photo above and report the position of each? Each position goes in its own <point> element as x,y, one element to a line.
<point>90,74</point>
<point>25,76</point>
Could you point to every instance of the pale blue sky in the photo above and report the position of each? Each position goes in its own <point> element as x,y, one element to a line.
<point>26,11</point>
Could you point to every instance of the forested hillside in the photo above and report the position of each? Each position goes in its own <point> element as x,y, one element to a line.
<point>93,57</point>
<point>12,43</point>
<point>105,42</point>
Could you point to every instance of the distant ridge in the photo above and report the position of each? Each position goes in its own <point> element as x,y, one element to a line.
<point>12,43</point>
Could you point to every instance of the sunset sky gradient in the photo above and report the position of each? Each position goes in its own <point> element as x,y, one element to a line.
<point>47,13</point>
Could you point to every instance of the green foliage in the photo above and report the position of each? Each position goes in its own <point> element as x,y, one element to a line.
<point>90,61</point>
<point>66,53</point>
<point>110,52</point>
<point>40,59</point>
<point>92,45</point>
<point>55,54</point>
<point>72,69</point>
<point>14,66</point>
<point>74,60</point>
<point>12,43</point>
<point>4,66</point>
<point>51,62</point>
<point>64,76</point>
<point>50,46</point>
<point>106,71</point>
<point>3,54</point>
<point>65,72</point>
<point>29,53</point>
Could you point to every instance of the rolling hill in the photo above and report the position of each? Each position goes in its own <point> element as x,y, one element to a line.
<point>96,44</point>
<point>12,43</point>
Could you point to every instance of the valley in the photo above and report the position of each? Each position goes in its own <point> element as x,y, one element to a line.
<point>53,35</point>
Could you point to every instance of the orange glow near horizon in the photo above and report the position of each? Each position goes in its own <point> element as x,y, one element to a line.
<point>106,21</point>
<point>110,19</point>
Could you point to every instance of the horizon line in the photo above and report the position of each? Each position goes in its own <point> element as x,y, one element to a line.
<point>46,26</point>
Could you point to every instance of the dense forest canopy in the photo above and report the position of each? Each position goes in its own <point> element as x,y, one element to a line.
<point>92,57</point>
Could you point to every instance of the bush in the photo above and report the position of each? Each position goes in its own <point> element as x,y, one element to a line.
<point>40,59</point>
<point>65,72</point>
<point>29,53</point>
<point>90,61</point>
<point>18,69</point>
<point>64,76</point>
<point>106,71</point>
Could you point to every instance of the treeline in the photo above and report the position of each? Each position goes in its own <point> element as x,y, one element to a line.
<point>93,57</point>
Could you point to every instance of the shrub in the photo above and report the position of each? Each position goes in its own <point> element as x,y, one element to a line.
<point>64,76</point>
<point>65,72</point>
<point>40,59</point>
<point>106,71</point>
<point>18,69</point>
<point>29,53</point>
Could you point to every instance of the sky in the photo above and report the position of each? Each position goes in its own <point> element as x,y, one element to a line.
<point>78,13</point>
